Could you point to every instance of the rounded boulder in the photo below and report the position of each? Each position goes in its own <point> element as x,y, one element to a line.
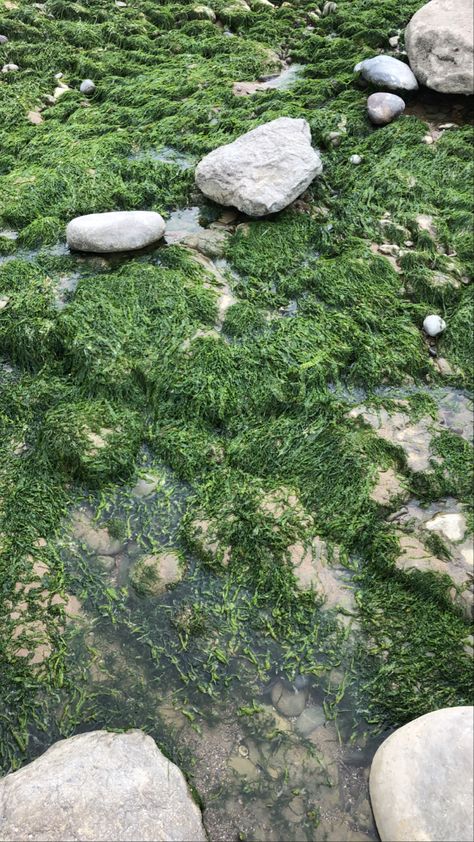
<point>421,779</point>
<point>440,44</point>
<point>98,787</point>
<point>115,231</point>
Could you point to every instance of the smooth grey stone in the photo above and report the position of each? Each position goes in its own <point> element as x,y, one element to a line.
<point>387,72</point>
<point>288,701</point>
<point>115,231</point>
<point>311,718</point>
<point>262,171</point>
<point>99,786</point>
<point>3,39</point>
<point>421,779</point>
<point>384,108</point>
<point>439,42</point>
<point>87,87</point>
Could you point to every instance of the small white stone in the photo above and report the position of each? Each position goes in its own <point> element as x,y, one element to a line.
<point>434,325</point>
<point>393,41</point>
<point>9,68</point>
<point>4,299</point>
<point>428,139</point>
<point>355,159</point>
<point>451,524</point>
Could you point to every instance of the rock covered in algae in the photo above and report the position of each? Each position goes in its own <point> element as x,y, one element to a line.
<point>262,171</point>
<point>383,108</point>
<point>99,786</point>
<point>387,72</point>
<point>440,45</point>
<point>152,574</point>
<point>115,231</point>
<point>421,779</point>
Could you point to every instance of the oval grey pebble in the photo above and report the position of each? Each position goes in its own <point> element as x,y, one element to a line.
<point>382,108</point>
<point>87,86</point>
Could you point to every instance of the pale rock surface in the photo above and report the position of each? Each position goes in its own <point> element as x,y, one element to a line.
<point>387,72</point>
<point>440,45</point>
<point>262,171</point>
<point>434,325</point>
<point>99,786</point>
<point>421,779</point>
<point>115,231</point>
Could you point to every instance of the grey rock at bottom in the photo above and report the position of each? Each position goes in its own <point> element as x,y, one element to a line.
<point>387,72</point>
<point>115,231</point>
<point>421,779</point>
<point>440,45</point>
<point>262,171</point>
<point>99,786</point>
<point>383,108</point>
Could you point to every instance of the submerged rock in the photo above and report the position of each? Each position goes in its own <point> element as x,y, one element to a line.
<point>87,87</point>
<point>152,574</point>
<point>115,231</point>
<point>387,72</point>
<point>99,786</point>
<point>440,45</point>
<point>262,171</point>
<point>310,719</point>
<point>434,325</point>
<point>97,538</point>
<point>384,108</point>
<point>288,700</point>
<point>421,779</point>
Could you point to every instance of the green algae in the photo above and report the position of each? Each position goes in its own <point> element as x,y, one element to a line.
<point>119,362</point>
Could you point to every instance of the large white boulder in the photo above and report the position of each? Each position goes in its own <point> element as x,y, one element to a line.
<point>262,171</point>
<point>440,44</point>
<point>115,231</point>
<point>421,779</point>
<point>99,786</point>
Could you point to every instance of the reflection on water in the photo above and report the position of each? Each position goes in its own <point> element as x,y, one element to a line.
<point>167,155</point>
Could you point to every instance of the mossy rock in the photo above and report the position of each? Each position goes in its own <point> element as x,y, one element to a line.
<point>151,575</point>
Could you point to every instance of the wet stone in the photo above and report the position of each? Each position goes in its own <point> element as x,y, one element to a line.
<point>152,574</point>
<point>383,108</point>
<point>387,72</point>
<point>287,700</point>
<point>97,538</point>
<point>311,718</point>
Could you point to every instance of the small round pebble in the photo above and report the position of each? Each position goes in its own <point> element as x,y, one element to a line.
<point>87,87</point>
<point>382,108</point>
<point>434,325</point>
<point>355,159</point>
<point>3,39</point>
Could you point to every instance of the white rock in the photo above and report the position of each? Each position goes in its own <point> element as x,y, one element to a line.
<point>99,786</point>
<point>87,87</point>
<point>115,231</point>
<point>387,72</point>
<point>9,68</point>
<point>421,780</point>
<point>434,325</point>
<point>355,159</point>
<point>451,524</point>
<point>439,43</point>
<point>262,171</point>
